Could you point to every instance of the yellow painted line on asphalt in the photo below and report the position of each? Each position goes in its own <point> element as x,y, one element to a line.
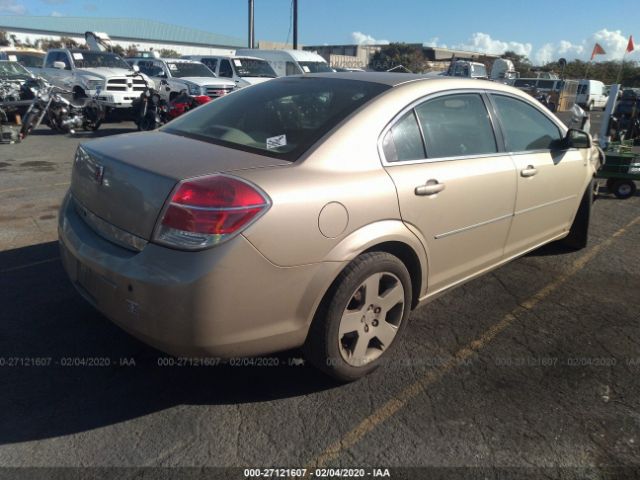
<point>392,406</point>
<point>28,265</point>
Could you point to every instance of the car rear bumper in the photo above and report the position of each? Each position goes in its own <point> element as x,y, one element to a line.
<point>226,301</point>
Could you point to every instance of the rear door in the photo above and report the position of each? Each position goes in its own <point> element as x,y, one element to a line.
<point>548,181</point>
<point>455,188</point>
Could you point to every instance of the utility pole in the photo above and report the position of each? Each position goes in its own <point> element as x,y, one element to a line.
<point>251,34</point>
<point>295,24</point>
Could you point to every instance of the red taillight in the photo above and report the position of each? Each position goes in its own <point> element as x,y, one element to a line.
<point>205,211</point>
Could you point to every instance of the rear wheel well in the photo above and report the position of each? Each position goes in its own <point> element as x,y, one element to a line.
<point>408,256</point>
<point>402,251</point>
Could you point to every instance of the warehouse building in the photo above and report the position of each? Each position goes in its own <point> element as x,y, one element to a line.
<point>359,56</point>
<point>144,34</point>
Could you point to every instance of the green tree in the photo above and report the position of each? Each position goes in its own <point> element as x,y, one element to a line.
<point>131,51</point>
<point>168,53</point>
<point>396,54</point>
<point>118,50</point>
<point>4,39</point>
<point>521,63</point>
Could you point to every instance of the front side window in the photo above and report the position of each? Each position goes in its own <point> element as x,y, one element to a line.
<point>225,69</point>
<point>403,141</point>
<point>281,118</point>
<point>456,125</point>
<point>525,128</point>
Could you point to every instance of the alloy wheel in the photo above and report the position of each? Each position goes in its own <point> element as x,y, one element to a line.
<point>370,321</point>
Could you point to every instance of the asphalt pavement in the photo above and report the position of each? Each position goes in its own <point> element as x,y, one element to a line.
<point>533,368</point>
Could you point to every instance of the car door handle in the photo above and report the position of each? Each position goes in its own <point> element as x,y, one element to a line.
<point>430,188</point>
<point>530,171</point>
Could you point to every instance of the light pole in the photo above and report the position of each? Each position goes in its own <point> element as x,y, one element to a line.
<point>295,24</point>
<point>251,41</point>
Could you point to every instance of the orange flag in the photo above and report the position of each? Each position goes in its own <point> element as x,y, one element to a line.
<point>597,50</point>
<point>630,46</point>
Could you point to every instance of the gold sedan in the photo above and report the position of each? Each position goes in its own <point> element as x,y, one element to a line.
<point>318,211</point>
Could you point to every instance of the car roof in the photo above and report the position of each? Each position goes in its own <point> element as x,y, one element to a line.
<point>394,79</point>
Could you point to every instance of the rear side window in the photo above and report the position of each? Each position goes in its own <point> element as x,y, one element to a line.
<point>281,118</point>
<point>456,125</point>
<point>525,127</point>
<point>403,141</point>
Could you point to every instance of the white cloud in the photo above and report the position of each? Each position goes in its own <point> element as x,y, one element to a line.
<point>613,42</point>
<point>12,7</point>
<point>482,42</point>
<point>364,39</point>
<point>434,42</point>
<point>56,14</point>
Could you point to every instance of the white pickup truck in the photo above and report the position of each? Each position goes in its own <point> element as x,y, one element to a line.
<point>172,76</point>
<point>88,73</point>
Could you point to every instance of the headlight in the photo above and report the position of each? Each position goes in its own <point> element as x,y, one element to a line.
<point>93,84</point>
<point>193,89</point>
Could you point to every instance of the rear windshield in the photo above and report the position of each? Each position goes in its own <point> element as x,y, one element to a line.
<point>281,118</point>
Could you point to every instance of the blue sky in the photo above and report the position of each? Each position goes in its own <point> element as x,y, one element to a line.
<point>544,30</point>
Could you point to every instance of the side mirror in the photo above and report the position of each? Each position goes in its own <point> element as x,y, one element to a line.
<point>135,68</point>
<point>573,139</point>
<point>59,65</point>
<point>577,139</point>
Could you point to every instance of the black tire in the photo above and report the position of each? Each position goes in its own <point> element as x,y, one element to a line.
<point>322,347</point>
<point>579,231</point>
<point>624,189</point>
<point>94,115</point>
<point>28,122</point>
<point>147,123</point>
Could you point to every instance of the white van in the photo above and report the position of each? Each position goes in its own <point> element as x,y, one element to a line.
<point>243,70</point>
<point>289,62</point>
<point>591,94</point>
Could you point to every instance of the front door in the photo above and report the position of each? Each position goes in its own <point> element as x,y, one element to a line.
<point>455,189</point>
<point>549,181</point>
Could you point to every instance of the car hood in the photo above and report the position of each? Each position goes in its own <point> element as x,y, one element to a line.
<point>255,80</point>
<point>104,72</point>
<point>208,81</point>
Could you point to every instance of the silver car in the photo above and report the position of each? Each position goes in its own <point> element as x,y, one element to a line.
<point>318,211</point>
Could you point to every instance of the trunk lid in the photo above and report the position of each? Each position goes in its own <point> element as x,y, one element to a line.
<point>125,180</point>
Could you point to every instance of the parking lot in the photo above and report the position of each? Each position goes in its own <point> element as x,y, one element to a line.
<point>534,366</point>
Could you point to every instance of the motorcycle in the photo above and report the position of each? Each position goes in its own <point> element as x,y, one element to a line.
<point>151,111</point>
<point>60,114</point>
